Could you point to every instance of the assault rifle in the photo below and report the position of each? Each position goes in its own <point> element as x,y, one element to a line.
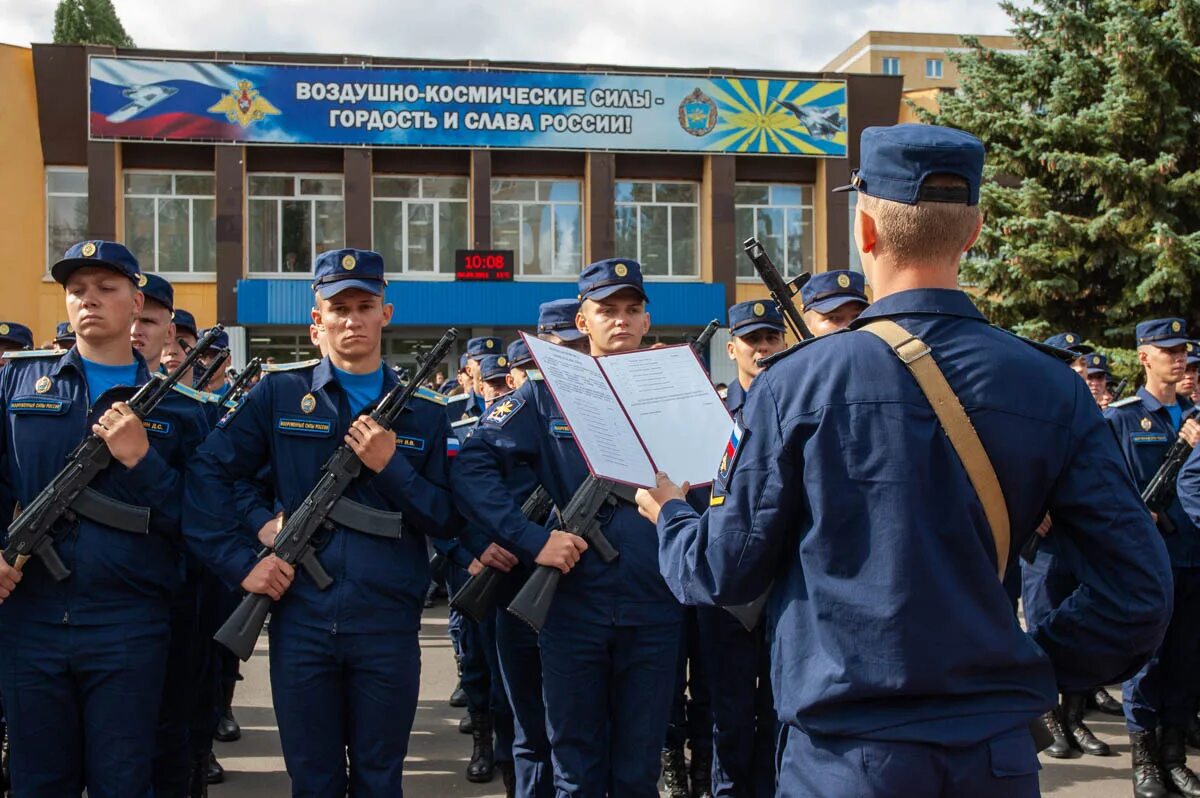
<point>477,598</point>
<point>781,290</point>
<point>322,508</point>
<point>69,494</point>
<point>241,385</point>
<point>1160,490</point>
<point>532,603</point>
<point>701,342</point>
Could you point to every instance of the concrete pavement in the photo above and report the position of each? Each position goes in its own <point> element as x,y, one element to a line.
<point>438,753</point>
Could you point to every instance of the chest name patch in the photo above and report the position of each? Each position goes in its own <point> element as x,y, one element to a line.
<point>409,443</point>
<point>304,426</point>
<point>157,427</point>
<point>1149,437</point>
<point>560,429</point>
<point>44,405</point>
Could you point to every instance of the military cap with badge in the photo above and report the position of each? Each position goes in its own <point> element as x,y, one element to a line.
<point>17,334</point>
<point>1163,333</point>
<point>1069,341</point>
<point>557,317</point>
<point>604,278</point>
<point>483,346</point>
<point>747,317</point>
<point>339,269</point>
<point>1193,353</point>
<point>493,367</point>
<point>64,334</point>
<point>97,254</point>
<point>828,291</point>
<point>156,289</point>
<point>1096,363</point>
<point>519,355</point>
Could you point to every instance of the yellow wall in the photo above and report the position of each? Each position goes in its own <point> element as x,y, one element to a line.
<point>891,44</point>
<point>25,298</point>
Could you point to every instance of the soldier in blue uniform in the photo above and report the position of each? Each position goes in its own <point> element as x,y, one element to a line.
<point>520,361</point>
<point>217,383</point>
<point>556,324</point>
<point>1097,376</point>
<point>1188,386</point>
<point>1161,698</point>
<point>833,299</point>
<point>609,643</point>
<point>897,660</point>
<point>345,662</point>
<point>82,661</point>
<point>64,335</point>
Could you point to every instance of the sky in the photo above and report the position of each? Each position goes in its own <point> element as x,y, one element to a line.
<point>767,34</point>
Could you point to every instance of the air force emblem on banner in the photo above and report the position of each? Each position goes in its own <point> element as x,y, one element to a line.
<point>244,105</point>
<point>697,114</point>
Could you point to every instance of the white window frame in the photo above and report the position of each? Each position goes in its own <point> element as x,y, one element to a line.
<point>279,274</point>
<point>893,61</point>
<point>670,277</point>
<point>50,259</point>
<point>174,276</point>
<point>517,261</point>
<point>437,274</point>
<point>933,68</point>
<point>807,211</point>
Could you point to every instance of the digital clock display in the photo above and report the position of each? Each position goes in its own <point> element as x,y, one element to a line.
<point>483,265</point>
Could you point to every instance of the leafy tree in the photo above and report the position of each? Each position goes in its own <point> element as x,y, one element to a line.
<point>89,22</point>
<point>1092,202</point>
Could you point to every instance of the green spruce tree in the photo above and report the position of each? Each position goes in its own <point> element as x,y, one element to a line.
<point>89,22</point>
<point>1092,203</point>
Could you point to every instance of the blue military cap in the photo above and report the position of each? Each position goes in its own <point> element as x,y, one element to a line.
<point>104,254</point>
<point>606,277</point>
<point>828,291</point>
<point>220,342</point>
<point>186,321</point>
<point>519,354</point>
<point>1069,341</point>
<point>158,289</point>
<point>1096,363</point>
<point>1162,332</point>
<point>558,317</point>
<point>895,161</point>
<point>64,332</point>
<point>339,269</point>
<point>746,317</point>
<point>484,345</point>
<point>462,361</point>
<point>493,367</point>
<point>17,334</point>
<point>1193,353</point>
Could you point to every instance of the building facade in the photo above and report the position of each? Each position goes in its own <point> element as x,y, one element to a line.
<point>228,173</point>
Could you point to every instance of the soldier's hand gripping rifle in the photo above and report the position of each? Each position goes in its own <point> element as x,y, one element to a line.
<point>68,494</point>
<point>1160,490</point>
<point>532,603</point>
<point>293,544</point>
<point>477,598</point>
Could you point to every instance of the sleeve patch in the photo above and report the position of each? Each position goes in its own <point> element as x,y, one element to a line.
<point>505,409</point>
<point>729,460</point>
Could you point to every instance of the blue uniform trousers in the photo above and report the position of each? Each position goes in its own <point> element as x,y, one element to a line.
<point>691,718</point>
<point>339,695</point>
<point>186,661</point>
<point>82,706</point>
<point>497,699</point>
<point>475,675</point>
<point>1164,691</point>
<point>1005,766</point>
<point>521,670</point>
<point>745,728</point>
<point>608,699</point>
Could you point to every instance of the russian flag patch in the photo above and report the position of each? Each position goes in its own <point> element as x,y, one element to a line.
<point>452,446</point>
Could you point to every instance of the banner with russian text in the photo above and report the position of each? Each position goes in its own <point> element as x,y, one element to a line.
<point>199,101</point>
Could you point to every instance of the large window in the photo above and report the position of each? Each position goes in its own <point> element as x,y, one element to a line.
<point>933,68</point>
<point>780,217</point>
<point>66,210</point>
<point>541,221</point>
<point>658,224</point>
<point>891,65</point>
<point>171,222</point>
<point>293,218</point>
<point>419,222</point>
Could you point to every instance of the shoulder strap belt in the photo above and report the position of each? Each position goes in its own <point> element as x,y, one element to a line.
<point>916,356</point>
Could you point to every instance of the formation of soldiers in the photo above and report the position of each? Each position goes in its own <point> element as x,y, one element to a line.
<point>891,488</point>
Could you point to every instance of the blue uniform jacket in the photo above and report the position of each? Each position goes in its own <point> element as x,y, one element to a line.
<point>887,618</point>
<point>526,430</point>
<point>117,576</point>
<point>1144,433</point>
<point>1188,485</point>
<point>379,584</point>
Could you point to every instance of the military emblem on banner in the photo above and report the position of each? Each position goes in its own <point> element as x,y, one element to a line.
<point>244,105</point>
<point>697,113</point>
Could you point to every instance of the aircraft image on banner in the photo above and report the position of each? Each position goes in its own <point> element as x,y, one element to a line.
<point>820,122</point>
<point>140,98</point>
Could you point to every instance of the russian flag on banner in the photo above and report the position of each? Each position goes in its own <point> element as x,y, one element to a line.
<point>452,446</point>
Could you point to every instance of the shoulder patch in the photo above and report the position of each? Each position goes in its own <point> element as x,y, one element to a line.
<point>302,364</point>
<point>21,354</point>
<point>534,374</point>
<point>199,396</point>
<point>1129,400</point>
<point>503,410</point>
<point>458,397</point>
<point>431,396</point>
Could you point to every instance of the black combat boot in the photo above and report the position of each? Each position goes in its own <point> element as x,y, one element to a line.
<point>1101,701</point>
<point>228,729</point>
<point>1147,778</point>
<point>1073,707</point>
<point>1061,747</point>
<point>1193,733</point>
<point>481,766</point>
<point>509,775</point>
<point>464,724</point>
<point>213,772</point>
<point>198,779</point>
<point>701,771</point>
<point>1172,757</point>
<point>675,773</point>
